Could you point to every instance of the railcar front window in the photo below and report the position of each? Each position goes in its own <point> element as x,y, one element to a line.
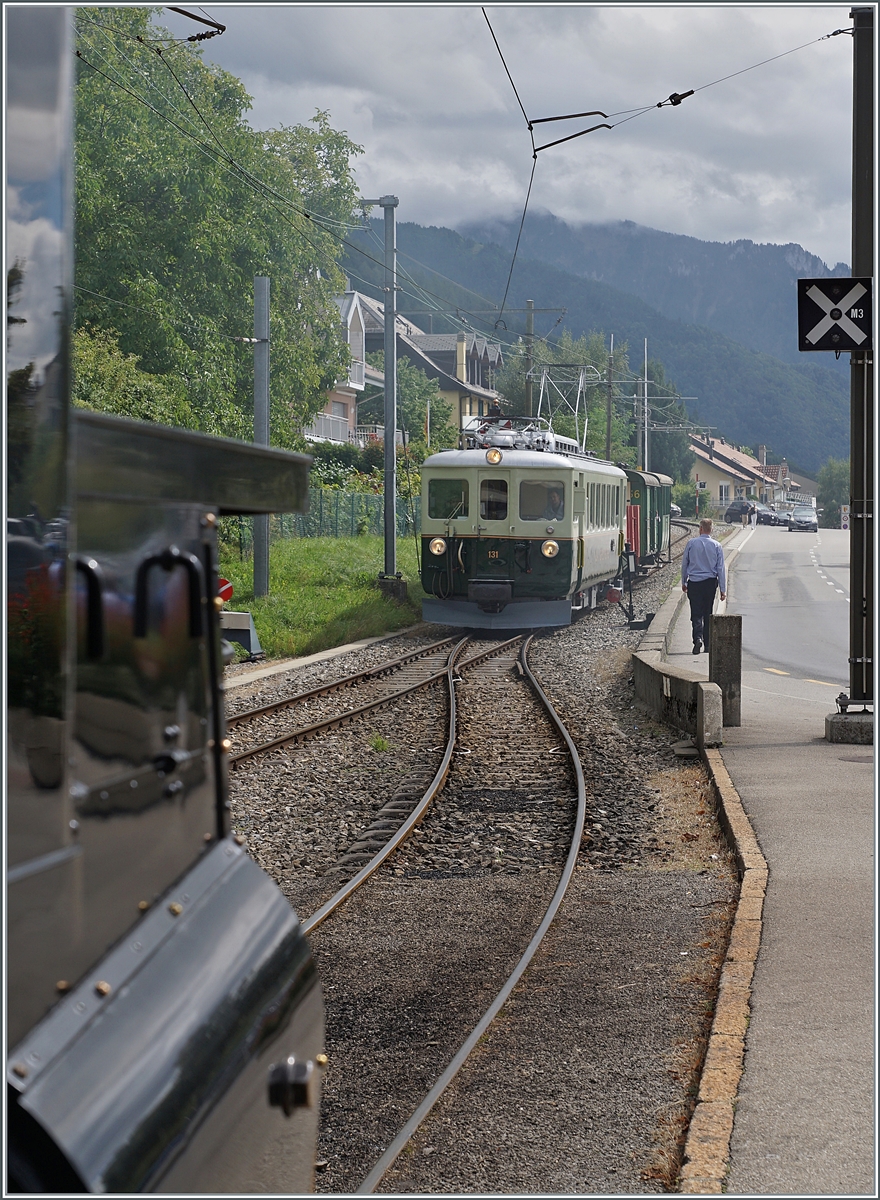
<point>541,500</point>
<point>493,499</point>
<point>447,499</point>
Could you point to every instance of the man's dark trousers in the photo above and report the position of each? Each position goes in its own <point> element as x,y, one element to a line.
<point>701,594</point>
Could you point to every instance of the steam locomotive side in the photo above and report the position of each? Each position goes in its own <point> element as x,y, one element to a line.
<point>164,1018</point>
<point>520,529</point>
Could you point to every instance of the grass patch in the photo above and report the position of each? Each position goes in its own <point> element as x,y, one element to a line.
<point>323,593</point>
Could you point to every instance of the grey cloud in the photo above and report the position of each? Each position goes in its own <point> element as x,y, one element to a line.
<point>764,155</point>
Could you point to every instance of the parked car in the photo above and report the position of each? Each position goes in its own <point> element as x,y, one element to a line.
<point>766,515</point>
<point>803,517</point>
<point>674,510</point>
<point>734,513</point>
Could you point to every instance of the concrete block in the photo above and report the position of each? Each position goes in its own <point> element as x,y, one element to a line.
<point>709,715</point>
<point>854,729</point>
<point>745,939</point>
<point>720,1084</point>
<point>239,627</point>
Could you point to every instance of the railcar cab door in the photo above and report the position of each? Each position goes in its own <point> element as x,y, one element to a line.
<point>491,526</point>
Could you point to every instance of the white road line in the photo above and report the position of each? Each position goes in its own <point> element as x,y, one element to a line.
<point>785,695</point>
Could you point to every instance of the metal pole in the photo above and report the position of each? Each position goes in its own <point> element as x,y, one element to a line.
<point>646,405</point>
<point>608,405</point>
<point>261,423</point>
<point>862,370</point>
<point>530,334</point>
<point>389,203</point>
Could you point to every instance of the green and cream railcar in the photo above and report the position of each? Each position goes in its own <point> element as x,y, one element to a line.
<point>516,538</point>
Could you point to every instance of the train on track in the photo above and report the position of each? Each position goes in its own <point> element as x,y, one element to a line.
<point>521,528</point>
<point>164,1019</point>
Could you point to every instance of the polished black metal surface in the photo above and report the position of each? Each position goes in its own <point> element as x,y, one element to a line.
<point>116,457</point>
<point>167,1061</point>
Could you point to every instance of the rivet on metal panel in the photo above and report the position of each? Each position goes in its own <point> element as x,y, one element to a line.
<point>219,602</point>
<point>238,839</point>
<point>175,909</point>
<point>143,905</point>
<point>102,987</point>
<point>62,986</point>
<point>226,745</point>
<point>20,1070</point>
<point>73,826</point>
<point>321,1060</point>
<point>208,837</point>
<point>209,519</point>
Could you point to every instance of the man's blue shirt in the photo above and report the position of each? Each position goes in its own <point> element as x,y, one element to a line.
<point>703,559</point>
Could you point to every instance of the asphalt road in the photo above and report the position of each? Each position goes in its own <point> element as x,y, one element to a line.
<point>805,1116</point>
<point>792,590</point>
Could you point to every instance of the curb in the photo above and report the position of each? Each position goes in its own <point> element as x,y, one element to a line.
<point>706,1157</point>
<point>707,1146</point>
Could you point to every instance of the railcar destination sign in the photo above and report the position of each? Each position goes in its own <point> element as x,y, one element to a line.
<point>835,314</point>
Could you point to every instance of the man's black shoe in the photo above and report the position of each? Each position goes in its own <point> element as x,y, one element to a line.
<point>697,648</point>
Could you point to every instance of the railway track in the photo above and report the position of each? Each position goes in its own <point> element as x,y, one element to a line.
<point>503,729</point>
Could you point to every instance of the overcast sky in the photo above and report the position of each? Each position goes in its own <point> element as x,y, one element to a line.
<point>766,155</point>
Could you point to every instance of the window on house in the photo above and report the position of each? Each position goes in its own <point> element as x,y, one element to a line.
<point>723,493</point>
<point>340,409</point>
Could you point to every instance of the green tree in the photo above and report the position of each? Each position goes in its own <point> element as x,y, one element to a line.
<point>834,484</point>
<point>109,381</point>
<point>180,203</point>
<point>669,449</point>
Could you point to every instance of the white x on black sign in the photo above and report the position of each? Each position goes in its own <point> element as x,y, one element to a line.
<point>843,307</point>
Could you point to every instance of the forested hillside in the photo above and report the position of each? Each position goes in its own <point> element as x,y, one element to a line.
<point>741,289</point>
<point>748,396</point>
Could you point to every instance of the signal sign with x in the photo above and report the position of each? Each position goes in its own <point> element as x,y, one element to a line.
<point>835,314</point>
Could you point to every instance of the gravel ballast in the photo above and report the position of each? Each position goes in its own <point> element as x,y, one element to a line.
<point>586,1080</point>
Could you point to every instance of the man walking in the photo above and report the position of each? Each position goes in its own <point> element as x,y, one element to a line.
<point>702,571</point>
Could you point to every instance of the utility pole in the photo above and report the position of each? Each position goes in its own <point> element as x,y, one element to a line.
<point>261,423</point>
<point>389,204</point>
<point>861,660</point>
<point>646,405</point>
<point>530,334</point>
<point>608,404</point>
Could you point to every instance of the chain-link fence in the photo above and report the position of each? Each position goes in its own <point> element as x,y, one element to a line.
<point>332,513</point>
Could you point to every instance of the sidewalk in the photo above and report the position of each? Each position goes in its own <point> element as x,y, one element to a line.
<point>804,1122</point>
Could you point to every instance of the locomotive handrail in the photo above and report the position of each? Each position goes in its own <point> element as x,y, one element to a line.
<point>168,559</point>
<point>91,572</point>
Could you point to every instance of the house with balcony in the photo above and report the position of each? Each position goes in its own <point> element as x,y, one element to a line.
<point>463,364</point>
<point>338,421</point>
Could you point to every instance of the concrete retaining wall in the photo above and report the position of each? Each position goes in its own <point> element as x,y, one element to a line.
<point>675,696</point>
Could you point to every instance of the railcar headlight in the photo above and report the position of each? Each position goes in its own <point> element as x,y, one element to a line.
<point>550,548</point>
<point>437,545</point>
<point>494,456</point>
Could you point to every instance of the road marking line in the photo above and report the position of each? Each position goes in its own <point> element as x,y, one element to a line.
<point>773,671</point>
<point>839,591</point>
<point>822,681</point>
<point>785,695</point>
